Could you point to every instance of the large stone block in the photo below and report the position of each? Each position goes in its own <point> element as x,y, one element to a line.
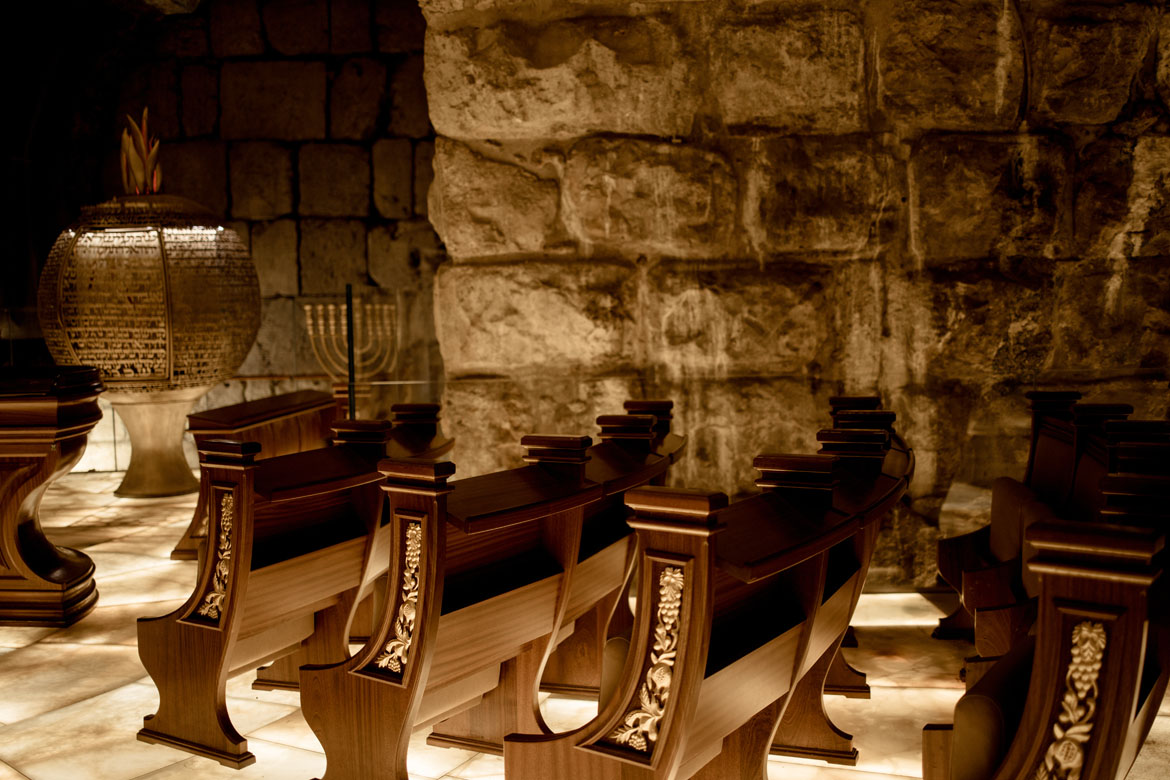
<point>1082,68</point>
<point>565,79</point>
<point>196,170</point>
<point>1123,198</point>
<point>408,100</point>
<point>274,100</point>
<point>261,180</point>
<point>349,26</point>
<point>277,349</point>
<point>335,180</point>
<point>424,174</point>
<point>801,73</point>
<point>200,85</point>
<point>531,318</point>
<point>813,197</point>
<point>184,36</point>
<point>153,86</point>
<point>297,26</point>
<point>355,98</point>
<point>274,251</point>
<point>986,197</point>
<point>951,64</point>
<point>398,25</point>
<point>740,321</point>
<point>333,254</point>
<point>398,251</point>
<point>483,208</point>
<point>235,28</point>
<point>393,178</point>
<point>637,197</point>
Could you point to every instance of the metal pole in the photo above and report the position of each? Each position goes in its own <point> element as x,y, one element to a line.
<point>349,347</point>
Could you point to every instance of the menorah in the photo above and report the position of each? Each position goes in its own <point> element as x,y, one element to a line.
<point>376,339</point>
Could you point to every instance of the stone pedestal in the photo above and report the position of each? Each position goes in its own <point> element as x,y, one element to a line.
<point>155,422</point>
<point>45,417</point>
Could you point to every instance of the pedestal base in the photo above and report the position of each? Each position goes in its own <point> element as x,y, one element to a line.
<point>156,422</point>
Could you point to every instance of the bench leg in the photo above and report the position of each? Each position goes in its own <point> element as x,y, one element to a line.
<point>957,625</point>
<point>744,755</point>
<point>195,536</point>
<point>187,665</point>
<point>936,751</point>
<point>844,680</point>
<point>574,668</point>
<point>806,730</point>
<point>512,707</point>
<point>329,644</point>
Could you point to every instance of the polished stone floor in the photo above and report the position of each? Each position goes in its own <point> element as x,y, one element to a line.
<point>71,700</point>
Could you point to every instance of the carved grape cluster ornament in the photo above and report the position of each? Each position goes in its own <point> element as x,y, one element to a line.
<point>396,654</point>
<point>213,601</point>
<point>640,725</point>
<point>1065,758</point>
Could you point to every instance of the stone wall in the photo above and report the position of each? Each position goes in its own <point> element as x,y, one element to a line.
<point>304,124</point>
<point>751,205</point>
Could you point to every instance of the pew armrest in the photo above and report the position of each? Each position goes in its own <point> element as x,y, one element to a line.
<point>936,751</point>
<point>987,716</point>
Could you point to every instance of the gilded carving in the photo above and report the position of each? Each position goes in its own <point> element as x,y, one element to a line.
<point>639,729</point>
<point>396,654</point>
<point>1066,755</point>
<point>213,602</point>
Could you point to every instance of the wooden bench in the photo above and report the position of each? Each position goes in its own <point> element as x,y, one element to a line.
<point>488,573</point>
<point>45,417</point>
<point>737,605</point>
<point>297,538</point>
<point>281,424</point>
<point>1079,698</point>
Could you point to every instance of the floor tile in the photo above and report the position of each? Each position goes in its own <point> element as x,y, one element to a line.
<point>429,761</point>
<point>22,636</point>
<point>783,770</point>
<point>906,656</point>
<point>562,713</point>
<point>1153,762</point>
<point>901,609</point>
<point>273,762</point>
<point>110,625</point>
<point>8,773</point>
<point>43,678</point>
<point>482,767</point>
<point>168,581</point>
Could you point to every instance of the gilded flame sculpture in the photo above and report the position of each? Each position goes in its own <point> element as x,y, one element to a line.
<point>162,299</point>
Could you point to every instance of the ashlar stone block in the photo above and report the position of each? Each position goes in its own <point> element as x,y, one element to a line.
<point>235,28</point>
<point>355,98</point>
<point>814,197</point>
<point>197,170</point>
<point>801,73</point>
<point>297,26</point>
<point>273,100</point>
<point>1123,198</point>
<point>335,180</point>
<point>985,197</point>
<point>951,64</point>
<point>261,180</point>
<point>398,26</point>
<point>565,79</point>
<point>200,85</point>
<point>397,251</point>
<point>393,177</point>
<point>274,251</point>
<point>483,208</point>
<point>333,254</point>
<point>638,197</point>
<point>424,174</point>
<point>529,318</point>
<point>408,100</point>
<point>349,26</point>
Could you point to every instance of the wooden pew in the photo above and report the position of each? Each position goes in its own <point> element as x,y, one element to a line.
<point>737,604</point>
<point>281,424</point>
<point>488,572</point>
<point>45,417</point>
<point>1080,699</point>
<point>297,539</point>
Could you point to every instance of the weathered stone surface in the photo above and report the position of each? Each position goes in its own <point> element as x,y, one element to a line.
<point>424,174</point>
<point>483,208</point>
<point>200,99</point>
<point>488,417</point>
<point>335,180</point>
<point>276,100</point>
<point>810,196</point>
<point>261,180</point>
<point>635,197</point>
<point>396,252</point>
<point>739,321</point>
<point>274,251</point>
<point>1163,59</point>
<point>196,170</point>
<point>1083,68</point>
<point>393,177</point>
<point>951,64</point>
<point>355,98</point>
<point>235,28</point>
<point>297,26</point>
<point>525,319</point>
<point>399,25</point>
<point>349,26</point>
<point>514,81</point>
<point>333,253</point>
<point>988,197</point>
<point>408,100</point>
<point>1123,198</point>
<point>801,73</point>
<point>184,36</point>
<point>275,349</point>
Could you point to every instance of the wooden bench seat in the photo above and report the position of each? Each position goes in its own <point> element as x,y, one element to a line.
<point>1080,698</point>
<point>488,572</point>
<point>738,605</point>
<point>46,415</point>
<point>296,540</point>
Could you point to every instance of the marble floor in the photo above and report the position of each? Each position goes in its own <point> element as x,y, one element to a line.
<point>71,700</point>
